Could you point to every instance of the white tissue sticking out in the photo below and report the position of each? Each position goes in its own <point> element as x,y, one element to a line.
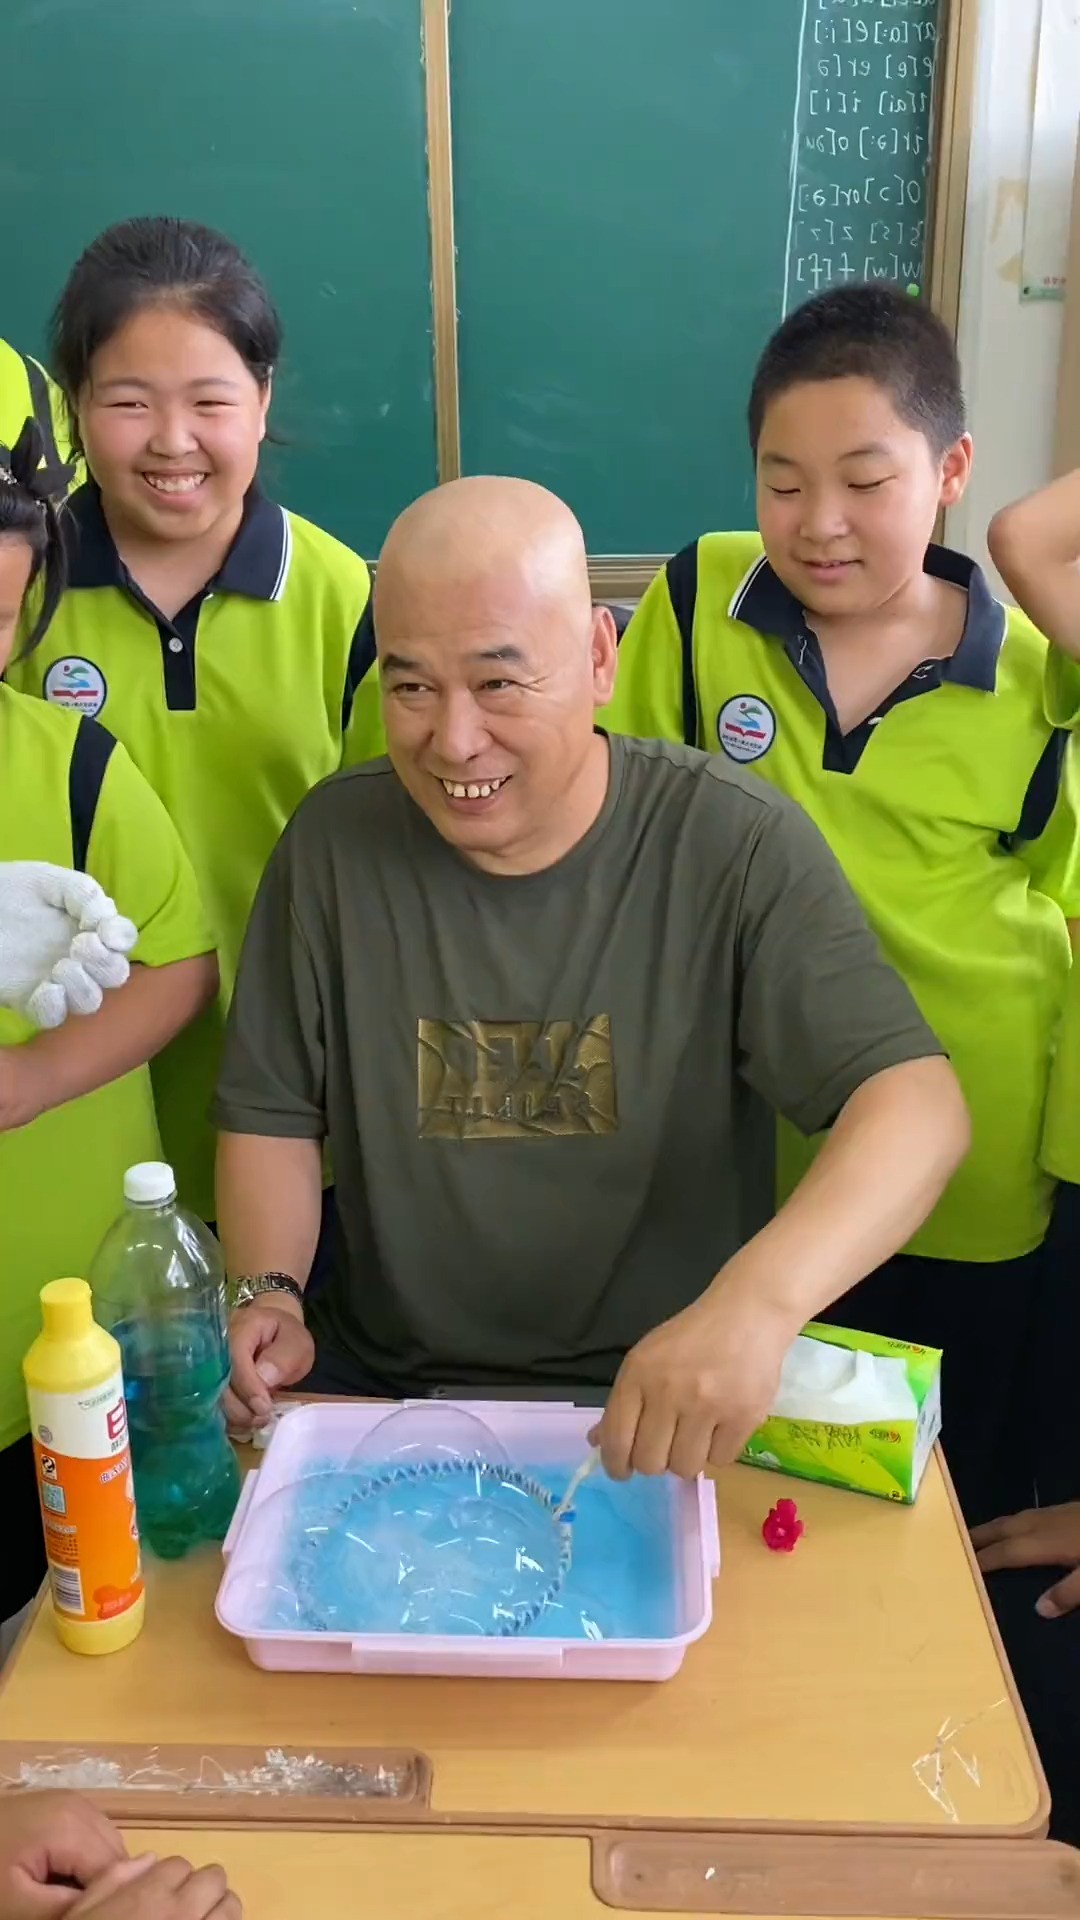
<point>834,1386</point>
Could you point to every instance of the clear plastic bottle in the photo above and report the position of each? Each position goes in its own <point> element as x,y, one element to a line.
<point>159,1286</point>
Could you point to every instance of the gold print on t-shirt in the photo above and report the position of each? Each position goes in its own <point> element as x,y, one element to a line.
<point>514,1079</point>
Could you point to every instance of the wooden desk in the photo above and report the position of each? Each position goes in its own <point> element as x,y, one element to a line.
<point>827,1677</point>
<point>448,1876</point>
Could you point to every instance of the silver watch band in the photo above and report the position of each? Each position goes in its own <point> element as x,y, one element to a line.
<point>253,1286</point>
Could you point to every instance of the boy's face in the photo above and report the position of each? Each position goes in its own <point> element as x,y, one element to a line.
<point>848,494</point>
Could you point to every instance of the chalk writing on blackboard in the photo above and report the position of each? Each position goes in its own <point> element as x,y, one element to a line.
<point>860,167</point>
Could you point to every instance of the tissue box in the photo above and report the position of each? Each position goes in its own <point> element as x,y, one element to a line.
<point>854,1410</point>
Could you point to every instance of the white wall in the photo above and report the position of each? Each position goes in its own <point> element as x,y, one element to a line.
<point>1010,350</point>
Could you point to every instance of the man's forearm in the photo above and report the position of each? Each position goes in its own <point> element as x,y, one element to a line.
<point>269,1203</point>
<point>1036,548</point>
<point>880,1173</point>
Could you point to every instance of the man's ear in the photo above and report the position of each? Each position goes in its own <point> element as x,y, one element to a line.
<point>605,654</point>
<point>956,471</point>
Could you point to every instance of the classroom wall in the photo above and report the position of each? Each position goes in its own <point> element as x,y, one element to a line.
<point>1010,350</point>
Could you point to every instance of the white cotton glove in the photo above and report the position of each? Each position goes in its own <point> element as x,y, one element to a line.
<point>62,942</point>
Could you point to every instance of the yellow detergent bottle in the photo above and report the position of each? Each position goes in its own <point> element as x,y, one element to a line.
<point>78,1421</point>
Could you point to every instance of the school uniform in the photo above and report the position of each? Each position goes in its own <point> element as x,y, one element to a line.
<point>952,811</point>
<point>232,710</point>
<point>25,391</point>
<point>70,795</point>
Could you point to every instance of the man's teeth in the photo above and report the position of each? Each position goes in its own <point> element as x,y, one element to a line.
<point>175,482</point>
<point>478,790</point>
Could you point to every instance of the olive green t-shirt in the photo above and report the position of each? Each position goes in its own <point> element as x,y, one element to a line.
<point>545,1095</point>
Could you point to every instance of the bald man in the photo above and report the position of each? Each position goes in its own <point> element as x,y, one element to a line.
<point>538,991</point>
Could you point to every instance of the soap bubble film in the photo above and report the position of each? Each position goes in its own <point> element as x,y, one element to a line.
<point>446,1548</point>
<point>424,1436</point>
<point>454,1546</point>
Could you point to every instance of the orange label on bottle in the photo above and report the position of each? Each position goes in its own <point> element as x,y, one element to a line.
<point>87,1494</point>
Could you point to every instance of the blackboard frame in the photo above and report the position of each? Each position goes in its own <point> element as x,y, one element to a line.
<point>627,575</point>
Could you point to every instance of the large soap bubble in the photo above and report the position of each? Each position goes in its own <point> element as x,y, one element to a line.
<point>426,1435</point>
<point>454,1547</point>
<point>260,1592</point>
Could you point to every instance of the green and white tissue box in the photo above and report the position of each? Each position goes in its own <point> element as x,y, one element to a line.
<point>854,1410</point>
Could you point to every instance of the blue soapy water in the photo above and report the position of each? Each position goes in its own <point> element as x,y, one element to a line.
<point>623,1582</point>
<point>465,1551</point>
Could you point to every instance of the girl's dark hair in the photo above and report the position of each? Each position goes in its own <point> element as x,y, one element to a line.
<point>876,333</point>
<point>160,261</point>
<point>29,512</point>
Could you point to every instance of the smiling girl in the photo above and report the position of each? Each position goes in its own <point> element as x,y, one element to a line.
<point>221,638</point>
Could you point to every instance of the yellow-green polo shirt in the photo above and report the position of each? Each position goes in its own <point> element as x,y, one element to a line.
<point>233,711</point>
<point>25,389</point>
<point>952,810</point>
<point>70,795</point>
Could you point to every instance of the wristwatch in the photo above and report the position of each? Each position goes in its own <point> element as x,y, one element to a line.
<point>252,1286</point>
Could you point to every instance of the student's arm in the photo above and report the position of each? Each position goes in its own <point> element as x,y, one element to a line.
<point>135,854</point>
<point>647,702</point>
<point>270,1111</point>
<point>1035,546</point>
<point>830,1037</point>
<point>130,1028</point>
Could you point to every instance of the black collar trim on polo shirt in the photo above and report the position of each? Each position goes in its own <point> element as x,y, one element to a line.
<point>256,565</point>
<point>762,601</point>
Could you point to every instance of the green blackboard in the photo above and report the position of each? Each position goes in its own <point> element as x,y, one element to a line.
<point>640,188</point>
<point>298,127</point>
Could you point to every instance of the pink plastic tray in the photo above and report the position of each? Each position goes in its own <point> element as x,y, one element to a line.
<point>534,1434</point>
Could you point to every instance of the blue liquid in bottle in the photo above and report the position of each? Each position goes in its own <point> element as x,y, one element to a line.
<point>159,1287</point>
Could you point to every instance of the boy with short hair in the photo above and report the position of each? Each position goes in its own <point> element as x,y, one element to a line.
<point>873,677</point>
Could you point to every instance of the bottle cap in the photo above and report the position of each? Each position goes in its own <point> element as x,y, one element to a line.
<point>149,1184</point>
<point>67,1309</point>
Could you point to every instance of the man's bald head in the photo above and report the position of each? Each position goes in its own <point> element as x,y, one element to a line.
<point>491,548</point>
<point>492,664</point>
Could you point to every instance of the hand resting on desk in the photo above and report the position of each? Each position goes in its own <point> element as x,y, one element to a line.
<point>150,1889</point>
<point>61,1859</point>
<point>1044,1537</point>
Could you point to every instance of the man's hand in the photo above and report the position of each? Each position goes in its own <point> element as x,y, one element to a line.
<point>1044,1537</point>
<point>158,1890</point>
<point>690,1394</point>
<point>62,942</point>
<point>271,1348</point>
<point>47,1838</point>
